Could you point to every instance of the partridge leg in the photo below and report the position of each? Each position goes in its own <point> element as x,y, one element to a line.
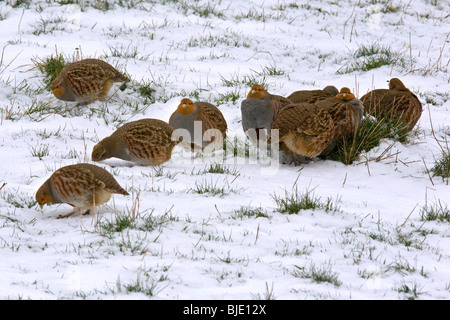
<point>67,215</point>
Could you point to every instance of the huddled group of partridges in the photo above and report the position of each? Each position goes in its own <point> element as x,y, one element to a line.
<point>309,123</point>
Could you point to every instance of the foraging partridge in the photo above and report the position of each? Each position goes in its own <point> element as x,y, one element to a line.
<point>309,129</point>
<point>305,131</point>
<point>312,96</point>
<point>395,103</point>
<point>86,81</point>
<point>146,142</point>
<point>260,111</point>
<point>198,118</point>
<point>346,111</point>
<point>84,186</point>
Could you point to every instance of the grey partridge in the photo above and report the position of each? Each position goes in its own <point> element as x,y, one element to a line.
<point>310,129</point>
<point>260,111</point>
<point>84,186</point>
<point>203,121</point>
<point>312,96</point>
<point>146,142</point>
<point>86,81</point>
<point>395,103</point>
<point>305,130</point>
<point>346,111</point>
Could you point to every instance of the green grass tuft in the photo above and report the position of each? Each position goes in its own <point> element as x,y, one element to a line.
<point>435,212</point>
<point>249,212</point>
<point>40,151</point>
<point>211,188</point>
<point>203,11</point>
<point>294,202</point>
<point>220,168</point>
<point>228,97</point>
<point>50,67</point>
<point>373,56</point>
<point>18,199</point>
<point>442,166</point>
<point>318,275</point>
<point>370,133</point>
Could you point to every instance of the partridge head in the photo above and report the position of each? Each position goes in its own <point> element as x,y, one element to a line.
<point>83,186</point>
<point>397,84</point>
<point>346,111</point>
<point>200,124</point>
<point>345,94</point>
<point>260,111</point>
<point>86,81</point>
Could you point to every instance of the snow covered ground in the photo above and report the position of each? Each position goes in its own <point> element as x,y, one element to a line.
<point>165,241</point>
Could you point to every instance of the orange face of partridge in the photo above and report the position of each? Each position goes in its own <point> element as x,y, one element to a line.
<point>57,89</point>
<point>43,196</point>
<point>186,106</point>
<point>345,94</point>
<point>257,91</point>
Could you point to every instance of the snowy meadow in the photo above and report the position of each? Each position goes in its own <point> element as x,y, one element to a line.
<point>230,225</point>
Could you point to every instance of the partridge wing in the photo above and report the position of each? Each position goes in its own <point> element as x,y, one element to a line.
<point>309,96</point>
<point>104,176</point>
<point>278,103</point>
<point>212,118</point>
<point>110,72</point>
<point>88,79</point>
<point>147,141</point>
<point>378,101</point>
<point>303,118</point>
<point>74,182</point>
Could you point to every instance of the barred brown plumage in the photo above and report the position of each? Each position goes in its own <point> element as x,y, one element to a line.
<point>305,129</point>
<point>395,103</point>
<point>207,117</point>
<point>83,186</point>
<point>346,112</point>
<point>145,142</point>
<point>312,129</point>
<point>312,96</point>
<point>86,81</point>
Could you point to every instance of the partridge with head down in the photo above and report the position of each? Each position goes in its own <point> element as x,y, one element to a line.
<point>146,142</point>
<point>86,81</point>
<point>84,186</point>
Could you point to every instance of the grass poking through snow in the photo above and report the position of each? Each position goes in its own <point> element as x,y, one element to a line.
<point>369,135</point>
<point>50,67</point>
<point>373,56</point>
<point>295,202</point>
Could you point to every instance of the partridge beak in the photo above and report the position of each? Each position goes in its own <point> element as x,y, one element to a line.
<point>184,105</point>
<point>344,95</point>
<point>253,91</point>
